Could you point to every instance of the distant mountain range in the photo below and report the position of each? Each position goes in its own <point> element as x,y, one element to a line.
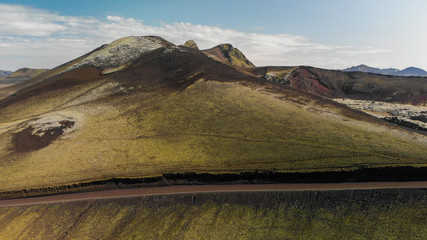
<point>12,81</point>
<point>20,75</point>
<point>410,71</point>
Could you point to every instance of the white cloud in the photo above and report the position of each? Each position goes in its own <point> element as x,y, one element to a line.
<point>365,50</point>
<point>27,34</point>
<point>21,20</point>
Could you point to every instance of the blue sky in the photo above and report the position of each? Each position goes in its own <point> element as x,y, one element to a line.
<point>323,33</point>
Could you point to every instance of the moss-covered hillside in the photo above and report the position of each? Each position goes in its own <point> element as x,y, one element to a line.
<point>373,214</point>
<point>175,110</point>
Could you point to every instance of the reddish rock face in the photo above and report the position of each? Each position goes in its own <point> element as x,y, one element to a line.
<point>359,85</point>
<point>311,82</point>
<point>419,99</point>
<point>352,85</point>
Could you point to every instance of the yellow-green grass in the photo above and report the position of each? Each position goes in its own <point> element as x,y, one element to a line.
<point>210,127</point>
<point>238,61</point>
<point>227,54</point>
<point>391,214</point>
<point>237,58</point>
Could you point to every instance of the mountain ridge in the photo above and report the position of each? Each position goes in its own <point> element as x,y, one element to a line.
<point>343,84</point>
<point>409,71</point>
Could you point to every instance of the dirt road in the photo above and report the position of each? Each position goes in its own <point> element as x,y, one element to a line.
<point>189,189</point>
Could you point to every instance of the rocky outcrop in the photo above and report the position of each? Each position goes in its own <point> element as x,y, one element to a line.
<point>404,123</point>
<point>410,116</point>
<point>191,44</point>
<point>228,54</point>
<point>120,53</point>
<point>277,78</point>
<point>274,74</point>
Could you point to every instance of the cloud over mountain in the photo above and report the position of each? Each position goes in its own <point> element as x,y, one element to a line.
<point>39,38</point>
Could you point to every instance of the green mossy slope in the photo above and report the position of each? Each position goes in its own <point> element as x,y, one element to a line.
<point>374,214</point>
<point>176,111</point>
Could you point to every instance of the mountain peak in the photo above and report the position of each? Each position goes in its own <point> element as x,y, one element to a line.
<point>413,71</point>
<point>121,52</point>
<point>362,65</point>
<point>191,44</point>
<point>228,54</point>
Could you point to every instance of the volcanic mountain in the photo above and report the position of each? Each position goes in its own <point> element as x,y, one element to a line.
<point>141,107</point>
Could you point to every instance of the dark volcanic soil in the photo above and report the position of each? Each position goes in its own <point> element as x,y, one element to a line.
<point>28,140</point>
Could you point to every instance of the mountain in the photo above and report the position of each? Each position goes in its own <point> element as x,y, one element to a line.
<point>8,84</point>
<point>4,73</point>
<point>27,72</point>
<point>353,85</point>
<point>143,108</point>
<point>365,68</point>
<point>21,75</point>
<point>191,44</point>
<point>410,71</point>
<point>226,53</point>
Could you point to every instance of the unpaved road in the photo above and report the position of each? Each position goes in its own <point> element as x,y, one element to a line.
<point>189,189</point>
